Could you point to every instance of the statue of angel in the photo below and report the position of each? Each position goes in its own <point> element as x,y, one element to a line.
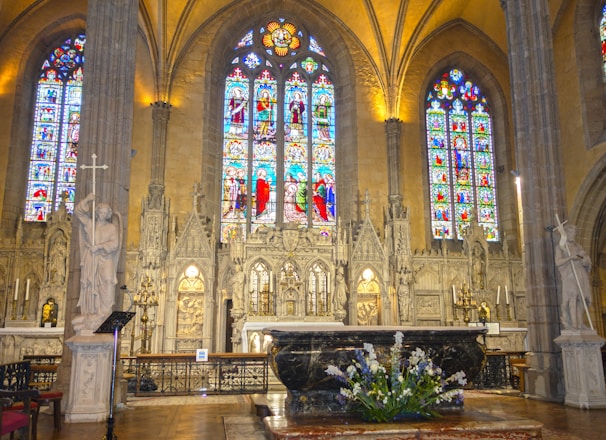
<point>100,243</point>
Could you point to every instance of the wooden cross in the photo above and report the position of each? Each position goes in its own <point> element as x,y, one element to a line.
<point>94,167</point>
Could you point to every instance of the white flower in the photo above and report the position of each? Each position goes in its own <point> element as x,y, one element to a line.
<point>351,371</point>
<point>399,337</point>
<point>371,351</point>
<point>383,395</point>
<point>459,376</point>
<point>347,393</point>
<point>334,371</point>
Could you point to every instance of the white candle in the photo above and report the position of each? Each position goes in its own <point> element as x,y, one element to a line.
<point>454,294</point>
<point>506,296</point>
<point>328,282</point>
<point>498,295</point>
<point>16,289</point>
<point>27,290</point>
<point>271,281</point>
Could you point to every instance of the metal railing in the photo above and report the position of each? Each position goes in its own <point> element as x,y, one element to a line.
<point>498,371</point>
<point>180,374</point>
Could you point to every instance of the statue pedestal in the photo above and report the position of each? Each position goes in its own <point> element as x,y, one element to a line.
<point>583,370</point>
<point>90,378</point>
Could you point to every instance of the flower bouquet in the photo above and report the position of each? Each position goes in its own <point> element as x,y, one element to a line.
<point>403,386</point>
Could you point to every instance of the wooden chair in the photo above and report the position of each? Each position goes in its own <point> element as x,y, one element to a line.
<point>14,384</point>
<point>17,416</point>
<point>518,370</point>
<point>42,377</point>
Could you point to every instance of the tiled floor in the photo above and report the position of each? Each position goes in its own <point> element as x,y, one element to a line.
<point>206,420</point>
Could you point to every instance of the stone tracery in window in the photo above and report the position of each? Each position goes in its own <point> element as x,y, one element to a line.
<point>278,133</point>
<point>460,157</point>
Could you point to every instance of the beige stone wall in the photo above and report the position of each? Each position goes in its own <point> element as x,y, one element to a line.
<point>579,154</point>
<point>488,67</point>
<point>193,53</point>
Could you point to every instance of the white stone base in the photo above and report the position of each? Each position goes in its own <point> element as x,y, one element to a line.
<point>90,378</point>
<point>583,370</point>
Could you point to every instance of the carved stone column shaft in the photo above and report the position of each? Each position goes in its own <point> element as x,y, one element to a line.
<point>539,165</point>
<point>160,117</point>
<point>393,130</point>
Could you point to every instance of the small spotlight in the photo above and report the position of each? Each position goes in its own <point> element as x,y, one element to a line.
<point>515,173</point>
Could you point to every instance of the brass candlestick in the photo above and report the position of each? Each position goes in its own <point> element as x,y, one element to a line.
<point>465,302</point>
<point>24,317</point>
<point>146,299</point>
<point>14,314</point>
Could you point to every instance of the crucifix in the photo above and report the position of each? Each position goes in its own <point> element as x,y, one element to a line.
<point>94,167</point>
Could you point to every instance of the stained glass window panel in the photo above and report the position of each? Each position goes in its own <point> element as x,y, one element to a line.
<point>279,133</point>
<point>460,158</point>
<point>264,151</point>
<point>235,157</point>
<point>603,38</point>
<point>296,149</point>
<point>323,160</point>
<point>55,134</point>
<point>439,171</point>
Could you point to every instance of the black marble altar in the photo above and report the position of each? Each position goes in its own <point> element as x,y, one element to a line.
<point>299,357</point>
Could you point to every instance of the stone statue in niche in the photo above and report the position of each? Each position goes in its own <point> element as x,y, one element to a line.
<point>50,311</point>
<point>100,244</point>
<point>237,284</point>
<point>574,266</point>
<point>58,262</point>
<point>478,268</point>
<point>340,291</point>
<point>403,293</point>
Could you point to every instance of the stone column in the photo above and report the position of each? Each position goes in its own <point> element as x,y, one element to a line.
<point>106,130</point>
<point>393,130</point>
<point>537,144</point>
<point>160,117</point>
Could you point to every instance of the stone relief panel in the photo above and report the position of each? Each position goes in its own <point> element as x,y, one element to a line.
<point>428,307</point>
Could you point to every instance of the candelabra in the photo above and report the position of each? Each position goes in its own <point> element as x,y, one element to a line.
<point>145,299</point>
<point>465,302</point>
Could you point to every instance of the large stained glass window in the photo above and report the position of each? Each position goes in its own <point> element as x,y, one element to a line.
<point>460,157</point>
<point>603,38</point>
<point>279,133</point>
<point>56,131</point>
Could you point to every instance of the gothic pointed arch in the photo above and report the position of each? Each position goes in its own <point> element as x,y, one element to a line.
<point>318,294</point>
<point>460,157</point>
<point>590,52</point>
<point>280,72</point>
<point>260,289</point>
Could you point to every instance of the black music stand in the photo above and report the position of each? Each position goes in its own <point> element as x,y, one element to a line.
<point>113,324</point>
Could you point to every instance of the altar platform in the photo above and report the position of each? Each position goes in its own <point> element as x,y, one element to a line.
<point>233,417</point>
<point>463,423</point>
